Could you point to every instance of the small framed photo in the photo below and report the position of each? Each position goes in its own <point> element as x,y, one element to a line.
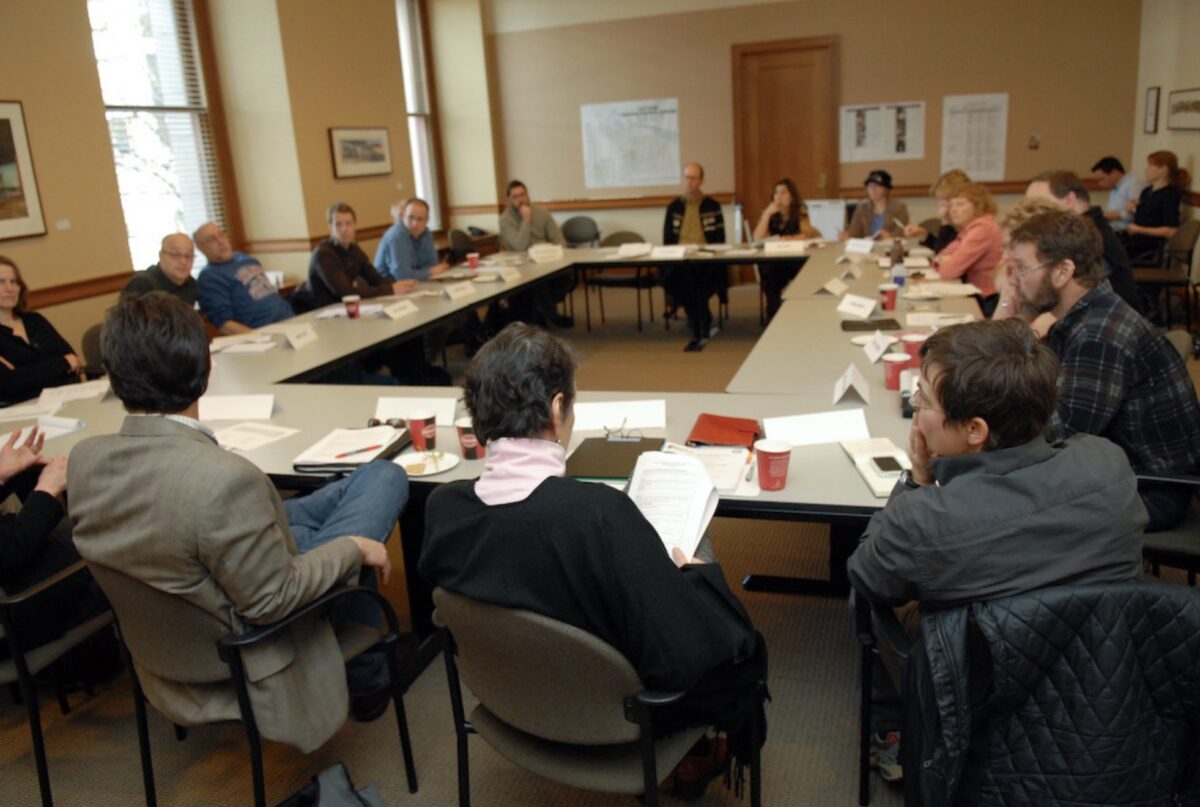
<point>20,204</point>
<point>1183,109</point>
<point>1150,122</point>
<point>360,152</point>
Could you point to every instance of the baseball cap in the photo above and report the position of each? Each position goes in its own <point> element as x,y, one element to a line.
<point>879,178</point>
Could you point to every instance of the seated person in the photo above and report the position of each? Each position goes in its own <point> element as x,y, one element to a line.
<point>1109,174</point>
<point>161,502</point>
<point>32,354</point>
<point>978,247</point>
<point>523,224</point>
<point>235,293</point>
<point>943,190</point>
<point>525,536</point>
<point>172,273</point>
<point>878,216</point>
<point>1021,212</point>
<point>406,251</point>
<point>990,508</point>
<point>1120,377</point>
<point>784,217</point>
<point>694,218</point>
<point>1156,211</point>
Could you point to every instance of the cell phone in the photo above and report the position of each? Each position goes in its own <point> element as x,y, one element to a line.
<point>886,466</point>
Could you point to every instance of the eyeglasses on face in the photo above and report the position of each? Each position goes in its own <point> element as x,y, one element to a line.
<point>1016,270</point>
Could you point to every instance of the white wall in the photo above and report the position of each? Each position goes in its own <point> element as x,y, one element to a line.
<point>1168,57</point>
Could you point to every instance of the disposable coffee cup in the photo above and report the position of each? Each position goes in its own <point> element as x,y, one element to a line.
<point>893,363</point>
<point>887,294</point>
<point>473,260</point>
<point>353,304</point>
<point>423,428</point>
<point>911,343</point>
<point>468,443</point>
<point>772,457</point>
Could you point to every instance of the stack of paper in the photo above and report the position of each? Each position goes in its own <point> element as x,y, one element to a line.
<point>676,496</point>
<point>56,396</point>
<point>726,466</point>
<point>249,436</point>
<point>28,411</point>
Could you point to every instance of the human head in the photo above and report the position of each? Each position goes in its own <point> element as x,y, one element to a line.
<point>879,185</point>
<point>693,179</point>
<point>970,201</point>
<point>944,189</point>
<point>986,385</point>
<point>175,257</point>
<point>416,217</point>
<point>1024,210</point>
<point>22,289</point>
<point>213,242</point>
<point>1051,253</point>
<point>522,384</point>
<point>1108,172</point>
<point>1167,164</point>
<point>518,194</point>
<point>792,204</point>
<point>343,223</point>
<point>155,350</point>
<point>1063,188</point>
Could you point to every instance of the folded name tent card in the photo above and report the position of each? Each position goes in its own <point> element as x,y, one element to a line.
<point>852,380</point>
<point>389,408</point>
<point>457,291</point>
<point>835,287</point>
<point>885,262</point>
<point>785,246</point>
<point>878,345</point>
<point>859,246</point>
<point>545,253</point>
<point>853,270</point>
<point>676,252</point>
<point>616,416</point>
<point>856,306</point>
<point>634,250</point>
<point>236,407</point>
<point>818,428</point>
<point>220,343</point>
<point>916,261</point>
<point>400,308</point>
<point>303,334</point>
<point>920,252</point>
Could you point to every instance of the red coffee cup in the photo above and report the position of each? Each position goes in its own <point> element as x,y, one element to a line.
<point>423,428</point>
<point>893,363</point>
<point>473,260</point>
<point>912,346</point>
<point>468,443</point>
<point>887,294</point>
<point>772,457</point>
<point>353,303</point>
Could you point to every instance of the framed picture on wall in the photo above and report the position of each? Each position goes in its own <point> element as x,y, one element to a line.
<point>20,204</point>
<point>1150,123</point>
<point>1183,109</point>
<point>360,152</point>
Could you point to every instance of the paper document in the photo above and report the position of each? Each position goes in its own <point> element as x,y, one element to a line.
<point>856,306</point>
<point>676,252</point>
<point>937,289</point>
<point>236,407</point>
<point>620,415</point>
<point>545,253</point>
<point>818,428</point>
<point>442,408</point>
<point>53,396</point>
<point>342,449</point>
<point>861,451</point>
<point>249,436</point>
<point>783,246</point>
<point>727,466</point>
<point>250,347</point>
<point>676,496</point>
<point>220,343</point>
<point>915,262</point>
<point>634,250</point>
<point>919,252</point>
<point>859,246</point>
<point>28,411</point>
<point>50,428</point>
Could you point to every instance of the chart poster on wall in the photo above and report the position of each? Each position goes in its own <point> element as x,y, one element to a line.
<point>631,143</point>
<point>974,135</point>
<point>875,132</point>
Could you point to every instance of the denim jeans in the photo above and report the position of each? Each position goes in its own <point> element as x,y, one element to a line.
<point>366,503</point>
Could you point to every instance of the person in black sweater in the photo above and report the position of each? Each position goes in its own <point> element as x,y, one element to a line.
<point>787,218</point>
<point>524,536</point>
<point>1156,213</point>
<point>32,354</point>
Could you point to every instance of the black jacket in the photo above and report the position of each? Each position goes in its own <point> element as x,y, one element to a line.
<point>712,220</point>
<point>1116,263</point>
<point>38,363</point>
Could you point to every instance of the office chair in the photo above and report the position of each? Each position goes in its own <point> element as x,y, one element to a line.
<point>643,277</point>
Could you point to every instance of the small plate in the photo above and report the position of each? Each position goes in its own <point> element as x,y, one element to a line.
<point>426,463</point>
<point>865,339</point>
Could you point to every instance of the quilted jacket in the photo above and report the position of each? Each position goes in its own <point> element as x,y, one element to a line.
<point>1068,695</point>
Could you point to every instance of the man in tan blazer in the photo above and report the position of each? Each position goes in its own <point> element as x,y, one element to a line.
<point>162,503</point>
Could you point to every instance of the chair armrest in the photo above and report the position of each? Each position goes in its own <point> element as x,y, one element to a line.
<point>653,698</point>
<point>42,585</point>
<point>1173,479</point>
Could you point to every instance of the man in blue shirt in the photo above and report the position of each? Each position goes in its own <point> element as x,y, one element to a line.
<point>407,251</point>
<point>1110,175</point>
<point>235,293</point>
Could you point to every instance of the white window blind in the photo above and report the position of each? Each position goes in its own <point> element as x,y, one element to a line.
<point>420,111</point>
<point>153,90</point>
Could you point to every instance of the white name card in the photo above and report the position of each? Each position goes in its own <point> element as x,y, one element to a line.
<point>509,273</point>
<point>859,246</point>
<point>545,253</point>
<point>457,291</point>
<point>786,247</point>
<point>835,287</point>
<point>853,270</point>
<point>300,336</point>
<point>675,252</point>
<point>856,307</point>
<point>852,380</point>
<point>885,262</point>
<point>916,262</point>
<point>399,309</point>
<point>877,346</point>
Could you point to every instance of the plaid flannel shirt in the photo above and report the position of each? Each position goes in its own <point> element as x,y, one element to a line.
<point>1122,379</point>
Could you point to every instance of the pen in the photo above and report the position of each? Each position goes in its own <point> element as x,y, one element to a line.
<point>345,454</point>
<point>899,223</point>
<point>750,470</point>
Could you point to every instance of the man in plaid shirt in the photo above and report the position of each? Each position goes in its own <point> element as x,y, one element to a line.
<point>1120,377</point>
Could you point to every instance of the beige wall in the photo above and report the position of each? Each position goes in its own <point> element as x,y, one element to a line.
<point>1168,58</point>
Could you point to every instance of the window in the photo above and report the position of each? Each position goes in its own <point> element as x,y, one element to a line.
<point>154,100</point>
<point>421,138</point>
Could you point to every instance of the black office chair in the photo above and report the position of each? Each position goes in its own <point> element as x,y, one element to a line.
<point>1172,269</point>
<point>642,277</point>
<point>581,231</point>
<point>461,245</point>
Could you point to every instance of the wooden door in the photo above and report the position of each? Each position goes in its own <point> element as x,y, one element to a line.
<point>784,120</point>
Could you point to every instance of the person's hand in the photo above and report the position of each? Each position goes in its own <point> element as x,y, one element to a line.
<point>526,213</point>
<point>1131,206</point>
<point>913,231</point>
<point>843,235</point>
<point>918,452</point>
<point>72,362</point>
<point>1134,229</point>
<point>53,479</point>
<point>772,209</point>
<point>374,554</point>
<point>14,459</point>
<point>404,286</point>
<point>681,559</point>
<point>439,269</point>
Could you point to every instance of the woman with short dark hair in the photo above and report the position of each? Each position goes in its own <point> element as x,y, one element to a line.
<point>32,354</point>
<point>525,536</point>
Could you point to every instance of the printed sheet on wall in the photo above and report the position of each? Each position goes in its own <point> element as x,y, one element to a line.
<point>877,132</point>
<point>631,143</point>
<point>975,134</point>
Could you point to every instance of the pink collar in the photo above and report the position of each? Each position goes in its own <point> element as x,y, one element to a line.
<point>516,466</point>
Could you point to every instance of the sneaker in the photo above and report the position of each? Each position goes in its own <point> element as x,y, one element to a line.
<point>713,331</point>
<point>885,756</point>
<point>699,767</point>
<point>693,346</point>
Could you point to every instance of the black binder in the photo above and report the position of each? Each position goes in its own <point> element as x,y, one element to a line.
<point>609,458</point>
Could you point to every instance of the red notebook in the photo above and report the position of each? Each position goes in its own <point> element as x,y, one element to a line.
<point>719,430</point>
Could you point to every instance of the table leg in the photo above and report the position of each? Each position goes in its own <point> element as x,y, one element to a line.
<point>843,538</point>
<point>412,536</point>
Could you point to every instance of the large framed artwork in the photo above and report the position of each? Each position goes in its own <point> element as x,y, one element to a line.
<point>1183,109</point>
<point>20,205</point>
<point>360,152</point>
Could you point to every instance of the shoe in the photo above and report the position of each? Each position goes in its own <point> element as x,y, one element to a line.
<point>560,321</point>
<point>885,756</point>
<point>694,346</point>
<point>696,770</point>
<point>370,705</point>
<point>713,331</point>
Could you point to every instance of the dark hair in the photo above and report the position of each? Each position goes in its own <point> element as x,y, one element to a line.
<point>20,283</point>
<point>1108,164</point>
<point>340,207</point>
<point>155,350</point>
<point>1177,177</point>
<point>1060,235</point>
<point>512,380</point>
<point>1063,182</point>
<point>796,208</point>
<point>996,370</point>
<point>516,183</point>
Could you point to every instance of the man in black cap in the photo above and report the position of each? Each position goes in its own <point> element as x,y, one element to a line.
<point>878,216</point>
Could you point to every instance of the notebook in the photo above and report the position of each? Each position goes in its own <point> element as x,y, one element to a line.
<point>608,458</point>
<point>720,430</point>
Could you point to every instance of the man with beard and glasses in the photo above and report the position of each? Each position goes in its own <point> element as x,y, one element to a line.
<point>1120,378</point>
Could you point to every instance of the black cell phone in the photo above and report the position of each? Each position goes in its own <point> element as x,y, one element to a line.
<point>870,325</point>
<point>887,466</point>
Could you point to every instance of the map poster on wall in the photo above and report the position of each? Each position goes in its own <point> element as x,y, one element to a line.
<point>631,143</point>
<point>875,132</point>
<point>974,135</point>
